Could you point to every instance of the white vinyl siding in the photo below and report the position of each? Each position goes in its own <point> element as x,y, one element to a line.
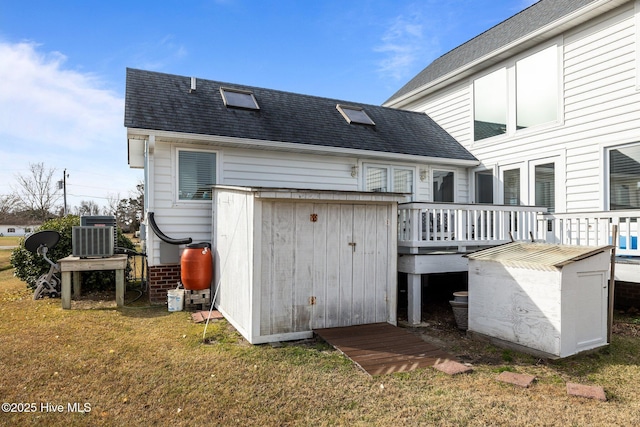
<point>452,110</point>
<point>600,109</point>
<point>257,168</point>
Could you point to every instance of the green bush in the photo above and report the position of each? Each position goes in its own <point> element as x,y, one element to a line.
<point>29,266</point>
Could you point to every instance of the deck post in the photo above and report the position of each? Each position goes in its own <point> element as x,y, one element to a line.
<point>414,298</point>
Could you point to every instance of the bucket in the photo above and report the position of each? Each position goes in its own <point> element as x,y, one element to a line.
<point>175,299</point>
<point>461,296</point>
<point>196,267</point>
<point>460,306</point>
<point>461,314</point>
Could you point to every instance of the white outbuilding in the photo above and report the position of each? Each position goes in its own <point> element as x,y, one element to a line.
<point>291,261</point>
<point>545,299</point>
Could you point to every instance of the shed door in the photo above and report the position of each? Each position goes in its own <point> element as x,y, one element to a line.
<point>591,316</point>
<point>323,265</point>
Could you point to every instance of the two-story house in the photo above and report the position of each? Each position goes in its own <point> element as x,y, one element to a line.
<point>549,102</point>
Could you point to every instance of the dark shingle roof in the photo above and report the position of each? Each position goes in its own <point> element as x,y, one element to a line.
<point>158,101</point>
<point>529,20</point>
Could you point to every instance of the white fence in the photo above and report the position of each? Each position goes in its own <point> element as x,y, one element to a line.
<point>592,229</point>
<point>437,225</point>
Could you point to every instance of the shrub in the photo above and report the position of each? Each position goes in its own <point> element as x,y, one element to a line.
<point>29,266</point>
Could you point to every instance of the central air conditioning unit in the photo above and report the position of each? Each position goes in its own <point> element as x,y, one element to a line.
<point>92,242</point>
<point>95,237</point>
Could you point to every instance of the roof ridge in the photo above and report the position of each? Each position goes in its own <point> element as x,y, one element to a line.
<point>488,30</point>
<point>288,92</point>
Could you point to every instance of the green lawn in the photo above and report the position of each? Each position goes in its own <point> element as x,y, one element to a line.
<point>145,366</point>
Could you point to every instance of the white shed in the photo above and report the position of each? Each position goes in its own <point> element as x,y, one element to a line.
<point>290,261</point>
<point>548,299</point>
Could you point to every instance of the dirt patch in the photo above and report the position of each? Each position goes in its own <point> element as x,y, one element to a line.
<point>626,329</point>
<point>439,328</point>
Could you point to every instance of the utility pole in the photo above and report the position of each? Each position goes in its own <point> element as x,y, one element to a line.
<point>64,179</point>
<point>62,185</point>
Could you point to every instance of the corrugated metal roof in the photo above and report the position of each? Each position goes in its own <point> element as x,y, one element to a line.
<point>537,255</point>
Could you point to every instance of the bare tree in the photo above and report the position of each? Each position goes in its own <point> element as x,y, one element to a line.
<point>37,191</point>
<point>87,208</point>
<point>8,205</point>
<point>113,201</point>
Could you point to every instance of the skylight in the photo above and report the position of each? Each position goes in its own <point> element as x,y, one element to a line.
<point>239,98</point>
<point>355,115</point>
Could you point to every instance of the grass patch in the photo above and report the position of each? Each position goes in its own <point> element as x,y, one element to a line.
<point>10,240</point>
<point>143,365</point>
<point>5,259</point>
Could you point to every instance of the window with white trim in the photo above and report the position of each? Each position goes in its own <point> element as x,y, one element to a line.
<point>545,186</point>
<point>624,177</point>
<point>196,174</point>
<point>443,186</point>
<point>484,186</point>
<point>534,79</point>
<point>511,186</point>
<point>389,178</point>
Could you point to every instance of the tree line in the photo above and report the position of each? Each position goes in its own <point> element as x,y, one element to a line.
<point>36,198</point>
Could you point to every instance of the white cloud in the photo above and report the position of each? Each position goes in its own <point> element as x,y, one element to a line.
<point>62,118</point>
<point>43,101</point>
<point>405,44</point>
<point>157,55</point>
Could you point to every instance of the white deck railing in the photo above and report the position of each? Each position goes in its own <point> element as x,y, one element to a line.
<point>592,229</point>
<point>437,225</point>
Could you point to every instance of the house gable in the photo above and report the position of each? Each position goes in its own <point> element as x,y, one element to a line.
<point>539,22</point>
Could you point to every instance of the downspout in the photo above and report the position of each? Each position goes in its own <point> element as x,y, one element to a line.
<point>149,202</point>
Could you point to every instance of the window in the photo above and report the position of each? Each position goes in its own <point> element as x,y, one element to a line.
<point>388,178</point>
<point>484,187</point>
<point>196,174</point>
<point>402,181</point>
<point>11,230</point>
<point>624,177</point>
<point>355,115</point>
<point>537,88</point>
<point>545,188</point>
<point>536,85</point>
<point>490,105</point>
<point>376,179</point>
<point>239,98</point>
<point>511,183</point>
<point>443,184</point>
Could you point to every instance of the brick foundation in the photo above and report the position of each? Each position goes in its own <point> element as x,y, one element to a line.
<point>627,295</point>
<point>161,279</point>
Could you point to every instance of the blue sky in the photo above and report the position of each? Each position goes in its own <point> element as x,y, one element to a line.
<point>62,65</point>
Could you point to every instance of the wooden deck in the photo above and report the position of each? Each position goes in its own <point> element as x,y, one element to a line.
<point>382,348</point>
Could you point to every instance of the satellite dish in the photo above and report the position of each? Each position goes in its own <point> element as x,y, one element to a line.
<point>48,238</point>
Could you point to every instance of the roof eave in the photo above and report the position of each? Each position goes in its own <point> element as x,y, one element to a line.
<point>225,141</point>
